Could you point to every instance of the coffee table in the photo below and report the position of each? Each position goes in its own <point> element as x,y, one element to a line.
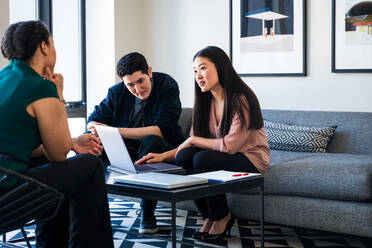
<point>187,193</point>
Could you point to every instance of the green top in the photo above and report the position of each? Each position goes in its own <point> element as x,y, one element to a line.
<point>20,85</point>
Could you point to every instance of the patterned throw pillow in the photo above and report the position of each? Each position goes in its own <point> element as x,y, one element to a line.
<point>287,137</point>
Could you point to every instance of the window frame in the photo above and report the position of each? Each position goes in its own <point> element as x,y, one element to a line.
<point>74,109</point>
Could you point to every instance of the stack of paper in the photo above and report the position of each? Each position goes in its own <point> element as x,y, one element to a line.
<point>224,176</point>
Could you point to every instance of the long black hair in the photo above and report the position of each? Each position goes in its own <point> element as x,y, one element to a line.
<point>21,39</point>
<point>234,88</point>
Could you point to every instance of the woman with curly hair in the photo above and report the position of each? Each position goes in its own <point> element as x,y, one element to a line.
<point>34,124</point>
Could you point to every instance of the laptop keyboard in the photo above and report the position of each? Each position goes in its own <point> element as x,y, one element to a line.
<point>143,167</point>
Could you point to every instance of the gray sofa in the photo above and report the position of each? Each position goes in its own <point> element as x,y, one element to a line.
<point>326,191</point>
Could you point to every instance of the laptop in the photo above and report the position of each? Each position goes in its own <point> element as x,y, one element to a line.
<point>160,180</point>
<point>119,157</point>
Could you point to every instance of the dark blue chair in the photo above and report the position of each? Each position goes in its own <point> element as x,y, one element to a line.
<point>28,203</point>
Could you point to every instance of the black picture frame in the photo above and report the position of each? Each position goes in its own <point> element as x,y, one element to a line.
<point>300,53</point>
<point>336,17</point>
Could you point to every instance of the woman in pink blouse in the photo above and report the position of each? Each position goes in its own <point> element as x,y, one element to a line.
<point>227,134</point>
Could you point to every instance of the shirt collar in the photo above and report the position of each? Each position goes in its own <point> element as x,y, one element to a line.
<point>23,65</point>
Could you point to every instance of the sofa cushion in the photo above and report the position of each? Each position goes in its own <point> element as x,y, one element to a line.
<point>185,121</point>
<point>320,214</point>
<point>323,175</point>
<point>278,157</point>
<point>287,137</point>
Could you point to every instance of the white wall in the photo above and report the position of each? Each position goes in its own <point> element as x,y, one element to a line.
<point>177,29</point>
<point>173,30</point>
<point>4,23</point>
<point>169,33</point>
<point>120,30</point>
<point>100,38</point>
<point>130,21</point>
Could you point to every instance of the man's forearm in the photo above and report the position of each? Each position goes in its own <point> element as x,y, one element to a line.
<point>140,132</point>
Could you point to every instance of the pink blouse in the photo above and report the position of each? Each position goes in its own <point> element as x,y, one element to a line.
<point>251,142</point>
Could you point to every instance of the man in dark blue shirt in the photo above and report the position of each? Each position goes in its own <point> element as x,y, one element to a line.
<point>145,107</point>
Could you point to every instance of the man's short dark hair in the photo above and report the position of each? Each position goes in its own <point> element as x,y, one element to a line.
<point>131,63</point>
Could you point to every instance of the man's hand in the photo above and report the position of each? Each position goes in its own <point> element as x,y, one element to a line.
<point>91,127</point>
<point>87,143</point>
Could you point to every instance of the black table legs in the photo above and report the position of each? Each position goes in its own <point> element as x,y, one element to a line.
<point>183,194</point>
<point>262,215</point>
<point>173,224</point>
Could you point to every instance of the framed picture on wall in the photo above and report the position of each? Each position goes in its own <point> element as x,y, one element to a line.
<point>351,36</point>
<point>268,37</point>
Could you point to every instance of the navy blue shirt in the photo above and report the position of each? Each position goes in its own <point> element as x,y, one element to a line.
<point>163,107</point>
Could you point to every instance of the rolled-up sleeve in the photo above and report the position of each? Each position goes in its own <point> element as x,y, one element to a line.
<point>104,111</point>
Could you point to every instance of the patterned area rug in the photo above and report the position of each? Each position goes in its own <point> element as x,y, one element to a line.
<point>244,233</point>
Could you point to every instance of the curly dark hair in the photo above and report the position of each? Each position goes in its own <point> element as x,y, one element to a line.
<point>131,63</point>
<point>21,39</point>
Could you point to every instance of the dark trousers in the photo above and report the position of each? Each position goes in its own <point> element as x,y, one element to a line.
<point>139,148</point>
<point>83,219</point>
<point>200,160</point>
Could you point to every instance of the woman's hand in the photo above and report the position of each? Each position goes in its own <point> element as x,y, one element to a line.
<point>152,158</point>
<point>158,157</point>
<point>87,143</point>
<point>57,79</point>
<point>186,144</point>
<point>91,127</point>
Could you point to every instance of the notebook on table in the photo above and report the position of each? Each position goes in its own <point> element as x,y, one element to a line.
<point>119,157</point>
<point>222,176</point>
<point>160,180</point>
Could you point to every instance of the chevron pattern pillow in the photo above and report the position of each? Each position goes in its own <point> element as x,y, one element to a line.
<point>287,137</point>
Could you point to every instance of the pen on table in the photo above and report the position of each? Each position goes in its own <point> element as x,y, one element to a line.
<point>241,174</point>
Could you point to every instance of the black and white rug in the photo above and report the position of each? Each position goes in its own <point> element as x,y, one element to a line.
<point>245,234</point>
